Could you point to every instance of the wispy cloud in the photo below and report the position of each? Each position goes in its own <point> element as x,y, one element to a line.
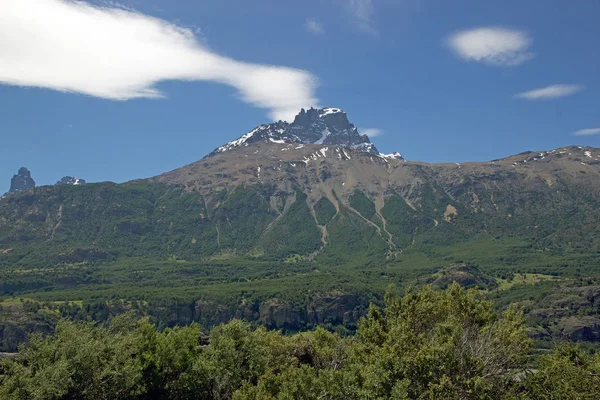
<point>361,12</point>
<point>119,54</point>
<point>313,26</point>
<point>492,46</point>
<point>371,132</point>
<point>550,92</point>
<point>113,4</point>
<point>587,132</point>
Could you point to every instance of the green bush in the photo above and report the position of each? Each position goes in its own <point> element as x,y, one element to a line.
<point>427,344</point>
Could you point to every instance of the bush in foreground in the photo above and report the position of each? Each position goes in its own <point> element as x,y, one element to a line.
<point>426,345</point>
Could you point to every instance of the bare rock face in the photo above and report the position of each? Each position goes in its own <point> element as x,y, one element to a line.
<point>580,328</point>
<point>21,181</point>
<point>325,126</point>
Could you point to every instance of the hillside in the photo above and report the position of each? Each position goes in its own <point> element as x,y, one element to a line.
<point>290,209</point>
<point>247,200</point>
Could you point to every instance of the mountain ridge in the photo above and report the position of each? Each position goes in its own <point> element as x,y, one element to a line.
<point>279,192</point>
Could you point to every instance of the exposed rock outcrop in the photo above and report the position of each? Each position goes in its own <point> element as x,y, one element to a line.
<point>21,181</point>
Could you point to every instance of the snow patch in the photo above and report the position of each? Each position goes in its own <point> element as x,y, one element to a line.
<point>238,142</point>
<point>395,155</point>
<point>367,147</point>
<point>324,135</point>
<point>327,111</point>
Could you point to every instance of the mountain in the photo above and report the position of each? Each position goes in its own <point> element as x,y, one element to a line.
<point>21,181</point>
<point>71,180</point>
<point>304,223</point>
<point>316,189</point>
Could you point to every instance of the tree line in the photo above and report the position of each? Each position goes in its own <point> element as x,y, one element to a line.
<point>427,344</point>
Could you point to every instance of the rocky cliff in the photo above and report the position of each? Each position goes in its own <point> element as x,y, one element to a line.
<point>21,181</point>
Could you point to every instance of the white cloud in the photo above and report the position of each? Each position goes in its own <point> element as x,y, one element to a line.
<point>587,132</point>
<point>371,132</point>
<point>550,92</point>
<point>118,54</point>
<point>361,12</point>
<point>492,46</point>
<point>314,26</point>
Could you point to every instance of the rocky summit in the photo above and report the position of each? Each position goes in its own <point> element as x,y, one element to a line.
<point>71,180</point>
<point>21,181</point>
<point>325,126</point>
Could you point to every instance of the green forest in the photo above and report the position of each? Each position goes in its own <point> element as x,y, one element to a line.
<point>426,344</point>
<point>149,291</point>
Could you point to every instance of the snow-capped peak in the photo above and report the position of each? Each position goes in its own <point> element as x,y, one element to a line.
<point>326,126</point>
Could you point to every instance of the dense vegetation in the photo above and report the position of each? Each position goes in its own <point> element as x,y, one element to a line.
<point>103,222</point>
<point>287,259</point>
<point>560,294</point>
<point>427,344</point>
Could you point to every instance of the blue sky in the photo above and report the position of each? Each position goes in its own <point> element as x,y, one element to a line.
<point>128,90</point>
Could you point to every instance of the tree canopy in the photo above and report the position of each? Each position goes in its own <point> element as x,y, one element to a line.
<point>427,344</point>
